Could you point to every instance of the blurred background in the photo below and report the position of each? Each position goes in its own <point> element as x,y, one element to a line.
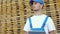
<point>13,14</point>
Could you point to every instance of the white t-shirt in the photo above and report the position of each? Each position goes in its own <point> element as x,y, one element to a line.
<point>37,21</point>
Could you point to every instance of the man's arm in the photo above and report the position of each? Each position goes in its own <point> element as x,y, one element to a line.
<point>26,27</point>
<point>51,26</point>
<point>52,32</point>
<point>25,32</point>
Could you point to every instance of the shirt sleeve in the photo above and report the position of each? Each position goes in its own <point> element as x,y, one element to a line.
<point>50,25</point>
<point>26,26</point>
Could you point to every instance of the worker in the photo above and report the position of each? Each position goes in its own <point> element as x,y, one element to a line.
<point>39,23</point>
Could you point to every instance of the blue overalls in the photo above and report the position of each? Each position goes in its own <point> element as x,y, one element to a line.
<point>38,30</point>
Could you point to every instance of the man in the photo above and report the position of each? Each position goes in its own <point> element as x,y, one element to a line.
<point>39,20</point>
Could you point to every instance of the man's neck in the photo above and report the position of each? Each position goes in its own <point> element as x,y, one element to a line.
<point>37,12</point>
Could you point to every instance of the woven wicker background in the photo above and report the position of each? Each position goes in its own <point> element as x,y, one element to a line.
<point>13,14</point>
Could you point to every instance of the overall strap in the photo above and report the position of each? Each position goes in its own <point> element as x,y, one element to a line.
<point>30,22</point>
<point>44,22</point>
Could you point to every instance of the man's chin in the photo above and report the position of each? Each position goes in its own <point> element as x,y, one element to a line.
<point>35,10</point>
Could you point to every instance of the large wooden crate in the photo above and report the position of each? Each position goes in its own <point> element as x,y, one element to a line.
<point>13,14</point>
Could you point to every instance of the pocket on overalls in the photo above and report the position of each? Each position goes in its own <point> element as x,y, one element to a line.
<point>31,32</point>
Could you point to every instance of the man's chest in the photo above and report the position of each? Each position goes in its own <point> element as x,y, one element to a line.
<point>37,22</point>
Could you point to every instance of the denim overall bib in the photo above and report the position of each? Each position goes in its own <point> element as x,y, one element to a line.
<point>38,30</point>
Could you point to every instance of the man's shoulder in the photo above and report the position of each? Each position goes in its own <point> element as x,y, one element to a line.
<point>43,15</point>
